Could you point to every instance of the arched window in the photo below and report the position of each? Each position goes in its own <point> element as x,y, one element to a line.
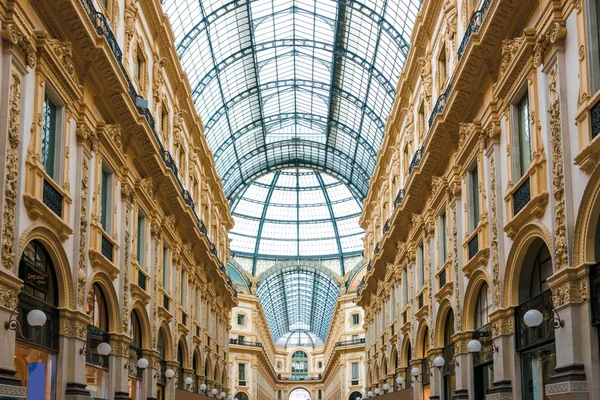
<point>135,353</point>
<point>536,348</point>
<point>299,363</point>
<point>241,396</point>
<point>162,358</point>
<point>180,358</point>
<point>482,308</point>
<point>136,330</point>
<point>355,395</point>
<point>39,292</point>
<point>97,310</point>
<point>448,375</point>
<point>37,346</point>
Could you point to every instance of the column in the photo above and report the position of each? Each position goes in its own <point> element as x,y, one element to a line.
<point>150,376</point>
<point>71,363</point>
<point>119,357</point>
<point>503,336</point>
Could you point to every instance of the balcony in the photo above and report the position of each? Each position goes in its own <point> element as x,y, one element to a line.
<point>299,377</point>
<point>473,246</point>
<point>350,342</point>
<point>52,198</point>
<point>107,248</point>
<point>473,27</point>
<point>245,343</point>
<point>521,196</point>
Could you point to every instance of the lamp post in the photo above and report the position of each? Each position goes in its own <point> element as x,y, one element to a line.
<point>35,318</point>
<point>188,382</point>
<point>439,362</point>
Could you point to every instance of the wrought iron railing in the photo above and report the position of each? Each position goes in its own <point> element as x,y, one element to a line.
<point>416,160</point>
<point>440,104</point>
<point>52,198</point>
<point>521,196</point>
<point>473,246</point>
<point>142,280</point>
<point>107,248</point>
<point>377,248</point>
<point>450,364</point>
<point>102,28</point>
<point>350,342</point>
<point>532,337</point>
<point>245,342</point>
<point>442,278</point>
<point>473,27</point>
<point>595,119</point>
<point>485,355</point>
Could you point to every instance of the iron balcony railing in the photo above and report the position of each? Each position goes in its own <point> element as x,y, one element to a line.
<point>521,196</point>
<point>102,28</point>
<point>473,27</point>
<point>350,342</point>
<point>106,248</point>
<point>473,246</point>
<point>416,160</point>
<point>440,104</point>
<point>52,198</point>
<point>527,338</point>
<point>245,343</point>
<point>595,117</point>
<point>399,197</point>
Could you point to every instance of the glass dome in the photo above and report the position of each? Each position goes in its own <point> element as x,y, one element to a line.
<point>296,213</point>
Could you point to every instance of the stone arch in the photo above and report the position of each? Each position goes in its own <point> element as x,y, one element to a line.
<point>518,251</point>
<point>241,395</point>
<point>405,352</point>
<point>217,372</point>
<point>184,350</point>
<point>112,300</point>
<point>197,364</point>
<point>168,340</point>
<point>394,360</point>
<point>375,372</point>
<point>440,321</point>
<point>369,375</point>
<point>585,224</point>
<point>477,279</point>
<point>139,307</point>
<point>56,251</point>
<point>383,365</point>
<point>208,368</point>
<point>422,339</point>
<point>224,376</point>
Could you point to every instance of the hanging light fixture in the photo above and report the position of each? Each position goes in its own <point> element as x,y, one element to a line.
<point>35,318</point>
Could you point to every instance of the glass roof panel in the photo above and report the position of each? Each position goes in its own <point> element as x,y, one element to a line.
<point>297,213</point>
<point>297,82</point>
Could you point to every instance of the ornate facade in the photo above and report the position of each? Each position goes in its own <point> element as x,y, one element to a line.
<point>484,206</point>
<point>114,222</point>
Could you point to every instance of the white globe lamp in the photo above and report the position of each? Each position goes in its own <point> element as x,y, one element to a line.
<point>169,373</point>
<point>415,372</point>
<point>533,318</point>
<point>370,394</point>
<point>36,318</point>
<point>377,391</point>
<point>203,387</point>
<point>400,380</point>
<point>142,363</point>
<point>104,349</point>
<point>214,392</point>
<point>386,386</point>
<point>439,362</point>
<point>188,380</point>
<point>474,346</point>
<point>223,394</point>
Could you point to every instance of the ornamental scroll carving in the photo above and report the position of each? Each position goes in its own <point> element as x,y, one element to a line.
<point>510,47</point>
<point>8,298</point>
<point>25,45</point>
<point>571,291</point>
<point>503,326</point>
<point>83,227</point>
<point>494,225</point>
<point>560,232</point>
<point>455,263</point>
<point>12,165</point>
<point>74,328</point>
<point>126,267</point>
<point>64,52</point>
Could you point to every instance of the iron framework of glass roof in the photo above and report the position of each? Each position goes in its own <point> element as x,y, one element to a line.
<point>298,297</point>
<point>296,213</point>
<point>301,83</point>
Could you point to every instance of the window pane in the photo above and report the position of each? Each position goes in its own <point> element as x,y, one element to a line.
<point>49,137</point>
<point>524,135</point>
<point>104,200</point>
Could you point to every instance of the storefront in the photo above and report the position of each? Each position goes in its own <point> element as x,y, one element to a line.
<point>37,349</point>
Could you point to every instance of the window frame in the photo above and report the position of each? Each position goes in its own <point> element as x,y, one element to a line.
<point>443,236</point>
<point>142,230</point>
<point>57,145</point>
<point>474,202</point>
<point>107,194</point>
<point>593,42</point>
<point>517,153</point>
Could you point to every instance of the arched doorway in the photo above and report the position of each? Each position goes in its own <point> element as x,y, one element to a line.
<point>355,395</point>
<point>135,353</point>
<point>96,371</point>
<point>36,352</point>
<point>299,394</point>
<point>405,369</point>
<point>241,396</point>
<point>162,361</point>
<point>483,361</point>
<point>448,375</point>
<point>180,361</point>
<point>536,346</point>
<point>299,365</point>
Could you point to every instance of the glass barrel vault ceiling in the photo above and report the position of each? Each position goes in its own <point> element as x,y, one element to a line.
<point>304,83</point>
<point>296,213</point>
